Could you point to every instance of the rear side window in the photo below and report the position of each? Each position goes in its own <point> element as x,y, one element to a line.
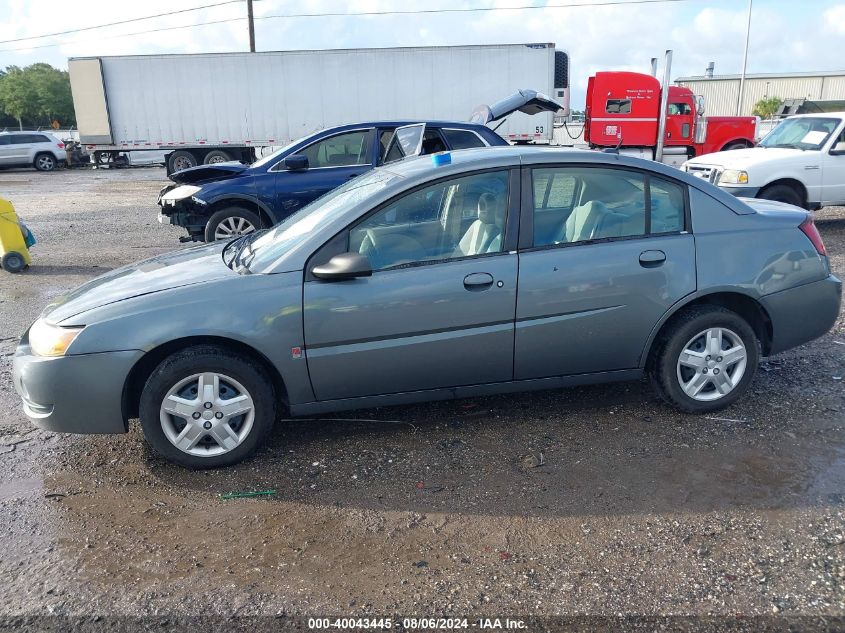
<point>580,204</point>
<point>618,106</point>
<point>5,140</point>
<point>462,139</point>
<point>20,139</point>
<point>667,206</point>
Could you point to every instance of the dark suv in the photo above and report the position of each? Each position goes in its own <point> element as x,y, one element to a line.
<point>229,199</point>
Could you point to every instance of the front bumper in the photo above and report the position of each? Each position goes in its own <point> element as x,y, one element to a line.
<point>804,313</point>
<point>73,394</point>
<point>741,192</point>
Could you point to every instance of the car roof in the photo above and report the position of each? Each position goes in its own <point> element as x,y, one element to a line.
<point>490,157</point>
<point>13,132</point>
<point>401,122</point>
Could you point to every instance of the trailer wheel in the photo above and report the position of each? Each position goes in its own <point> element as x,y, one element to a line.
<point>216,156</point>
<point>181,159</point>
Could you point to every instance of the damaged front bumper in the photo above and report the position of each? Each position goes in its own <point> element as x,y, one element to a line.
<point>179,206</point>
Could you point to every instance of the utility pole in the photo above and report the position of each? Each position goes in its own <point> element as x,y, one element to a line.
<point>251,22</point>
<point>744,61</point>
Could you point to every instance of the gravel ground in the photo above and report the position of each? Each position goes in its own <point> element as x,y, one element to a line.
<point>596,501</point>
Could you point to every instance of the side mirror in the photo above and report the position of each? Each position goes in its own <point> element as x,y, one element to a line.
<point>297,162</point>
<point>344,266</point>
<point>838,148</point>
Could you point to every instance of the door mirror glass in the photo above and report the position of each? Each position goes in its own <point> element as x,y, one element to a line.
<point>699,104</point>
<point>344,266</point>
<point>297,162</point>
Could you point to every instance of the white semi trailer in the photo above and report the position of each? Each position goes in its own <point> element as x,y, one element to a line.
<point>215,107</point>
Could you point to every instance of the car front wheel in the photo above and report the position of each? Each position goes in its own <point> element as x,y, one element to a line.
<point>231,222</point>
<point>207,407</point>
<point>706,360</point>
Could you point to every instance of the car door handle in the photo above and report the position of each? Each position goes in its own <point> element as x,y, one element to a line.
<point>650,259</point>
<point>478,281</point>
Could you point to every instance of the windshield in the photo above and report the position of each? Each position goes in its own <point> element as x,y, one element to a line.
<point>293,230</point>
<point>801,133</point>
<point>275,155</point>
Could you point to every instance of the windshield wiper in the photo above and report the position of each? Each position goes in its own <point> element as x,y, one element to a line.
<point>784,145</point>
<point>230,245</point>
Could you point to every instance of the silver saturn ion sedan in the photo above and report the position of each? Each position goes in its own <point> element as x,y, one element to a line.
<point>437,277</point>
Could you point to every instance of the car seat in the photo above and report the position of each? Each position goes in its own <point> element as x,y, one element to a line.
<point>484,235</point>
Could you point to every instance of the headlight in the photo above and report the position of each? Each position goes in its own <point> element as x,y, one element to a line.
<point>180,193</point>
<point>51,340</point>
<point>734,177</point>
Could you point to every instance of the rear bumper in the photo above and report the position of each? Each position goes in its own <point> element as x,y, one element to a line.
<point>73,394</point>
<point>804,313</point>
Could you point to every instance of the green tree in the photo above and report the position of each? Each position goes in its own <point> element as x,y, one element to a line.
<point>37,94</point>
<point>765,108</point>
<point>17,95</point>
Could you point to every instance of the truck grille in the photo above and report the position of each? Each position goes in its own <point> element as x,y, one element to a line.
<point>710,174</point>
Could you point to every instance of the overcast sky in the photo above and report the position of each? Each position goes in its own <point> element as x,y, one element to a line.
<point>786,35</point>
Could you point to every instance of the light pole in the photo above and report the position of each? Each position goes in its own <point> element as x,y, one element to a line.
<point>744,60</point>
<point>251,25</point>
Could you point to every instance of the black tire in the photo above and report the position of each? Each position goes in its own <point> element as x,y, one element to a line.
<point>13,262</point>
<point>179,160</point>
<point>194,360</point>
<point>221,222</point>
<point>216,156</point>
<point>732,146</point>
<point>782,193</point>
<point>45,162</point>
<point>681,329</point>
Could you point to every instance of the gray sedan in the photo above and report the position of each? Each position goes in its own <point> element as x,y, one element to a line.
<point>486,271</point>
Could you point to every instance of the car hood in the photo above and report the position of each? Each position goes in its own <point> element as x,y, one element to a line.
<point>172,270</point>
<point>527,101</point>
<point>746,158</point>
<point>208,173</point>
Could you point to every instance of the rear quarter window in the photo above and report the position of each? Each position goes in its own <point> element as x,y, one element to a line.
<point>462,139</point>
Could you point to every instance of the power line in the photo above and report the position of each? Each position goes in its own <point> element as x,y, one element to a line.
<point>114,37</point>
<point>595,3</point>
<point>102,26</point>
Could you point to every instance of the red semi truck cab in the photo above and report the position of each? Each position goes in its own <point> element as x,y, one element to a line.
<point>623,110</point>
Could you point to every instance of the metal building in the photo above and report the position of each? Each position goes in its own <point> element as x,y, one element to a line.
<point>721,91</point>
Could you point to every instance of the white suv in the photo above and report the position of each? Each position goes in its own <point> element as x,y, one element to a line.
<point>801,162</point>
<point>31,149</point>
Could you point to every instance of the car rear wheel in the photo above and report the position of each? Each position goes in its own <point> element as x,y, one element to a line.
<point>207,407</point>
<point>782,193</point>
<point>707,358</point>
<point>231,222</point>
<point>45,162</point>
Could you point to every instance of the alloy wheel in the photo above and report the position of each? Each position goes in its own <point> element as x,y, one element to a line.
<point>45,163</point>
<point>234,226</point>
<point>712,364</point>
<point>207,414</point>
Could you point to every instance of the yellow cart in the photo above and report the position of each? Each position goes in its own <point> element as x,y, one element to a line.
<point>13,248</point>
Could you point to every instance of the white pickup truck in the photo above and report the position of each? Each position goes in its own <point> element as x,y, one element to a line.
<point>801,162</point>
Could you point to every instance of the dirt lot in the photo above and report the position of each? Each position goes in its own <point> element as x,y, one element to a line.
<point>590,501</point>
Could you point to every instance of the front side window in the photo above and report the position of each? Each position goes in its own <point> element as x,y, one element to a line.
<point>580,204</point>
<point>342,150</point>
<point>462,217</point>
<point>462,139</point>
<point>679,108</point>
<point>618,106</point>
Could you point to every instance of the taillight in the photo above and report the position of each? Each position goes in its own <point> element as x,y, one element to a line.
<point>60,145</point>
<point>808,228</point>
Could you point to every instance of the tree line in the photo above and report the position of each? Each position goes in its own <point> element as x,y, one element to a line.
<point>35,96</point>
